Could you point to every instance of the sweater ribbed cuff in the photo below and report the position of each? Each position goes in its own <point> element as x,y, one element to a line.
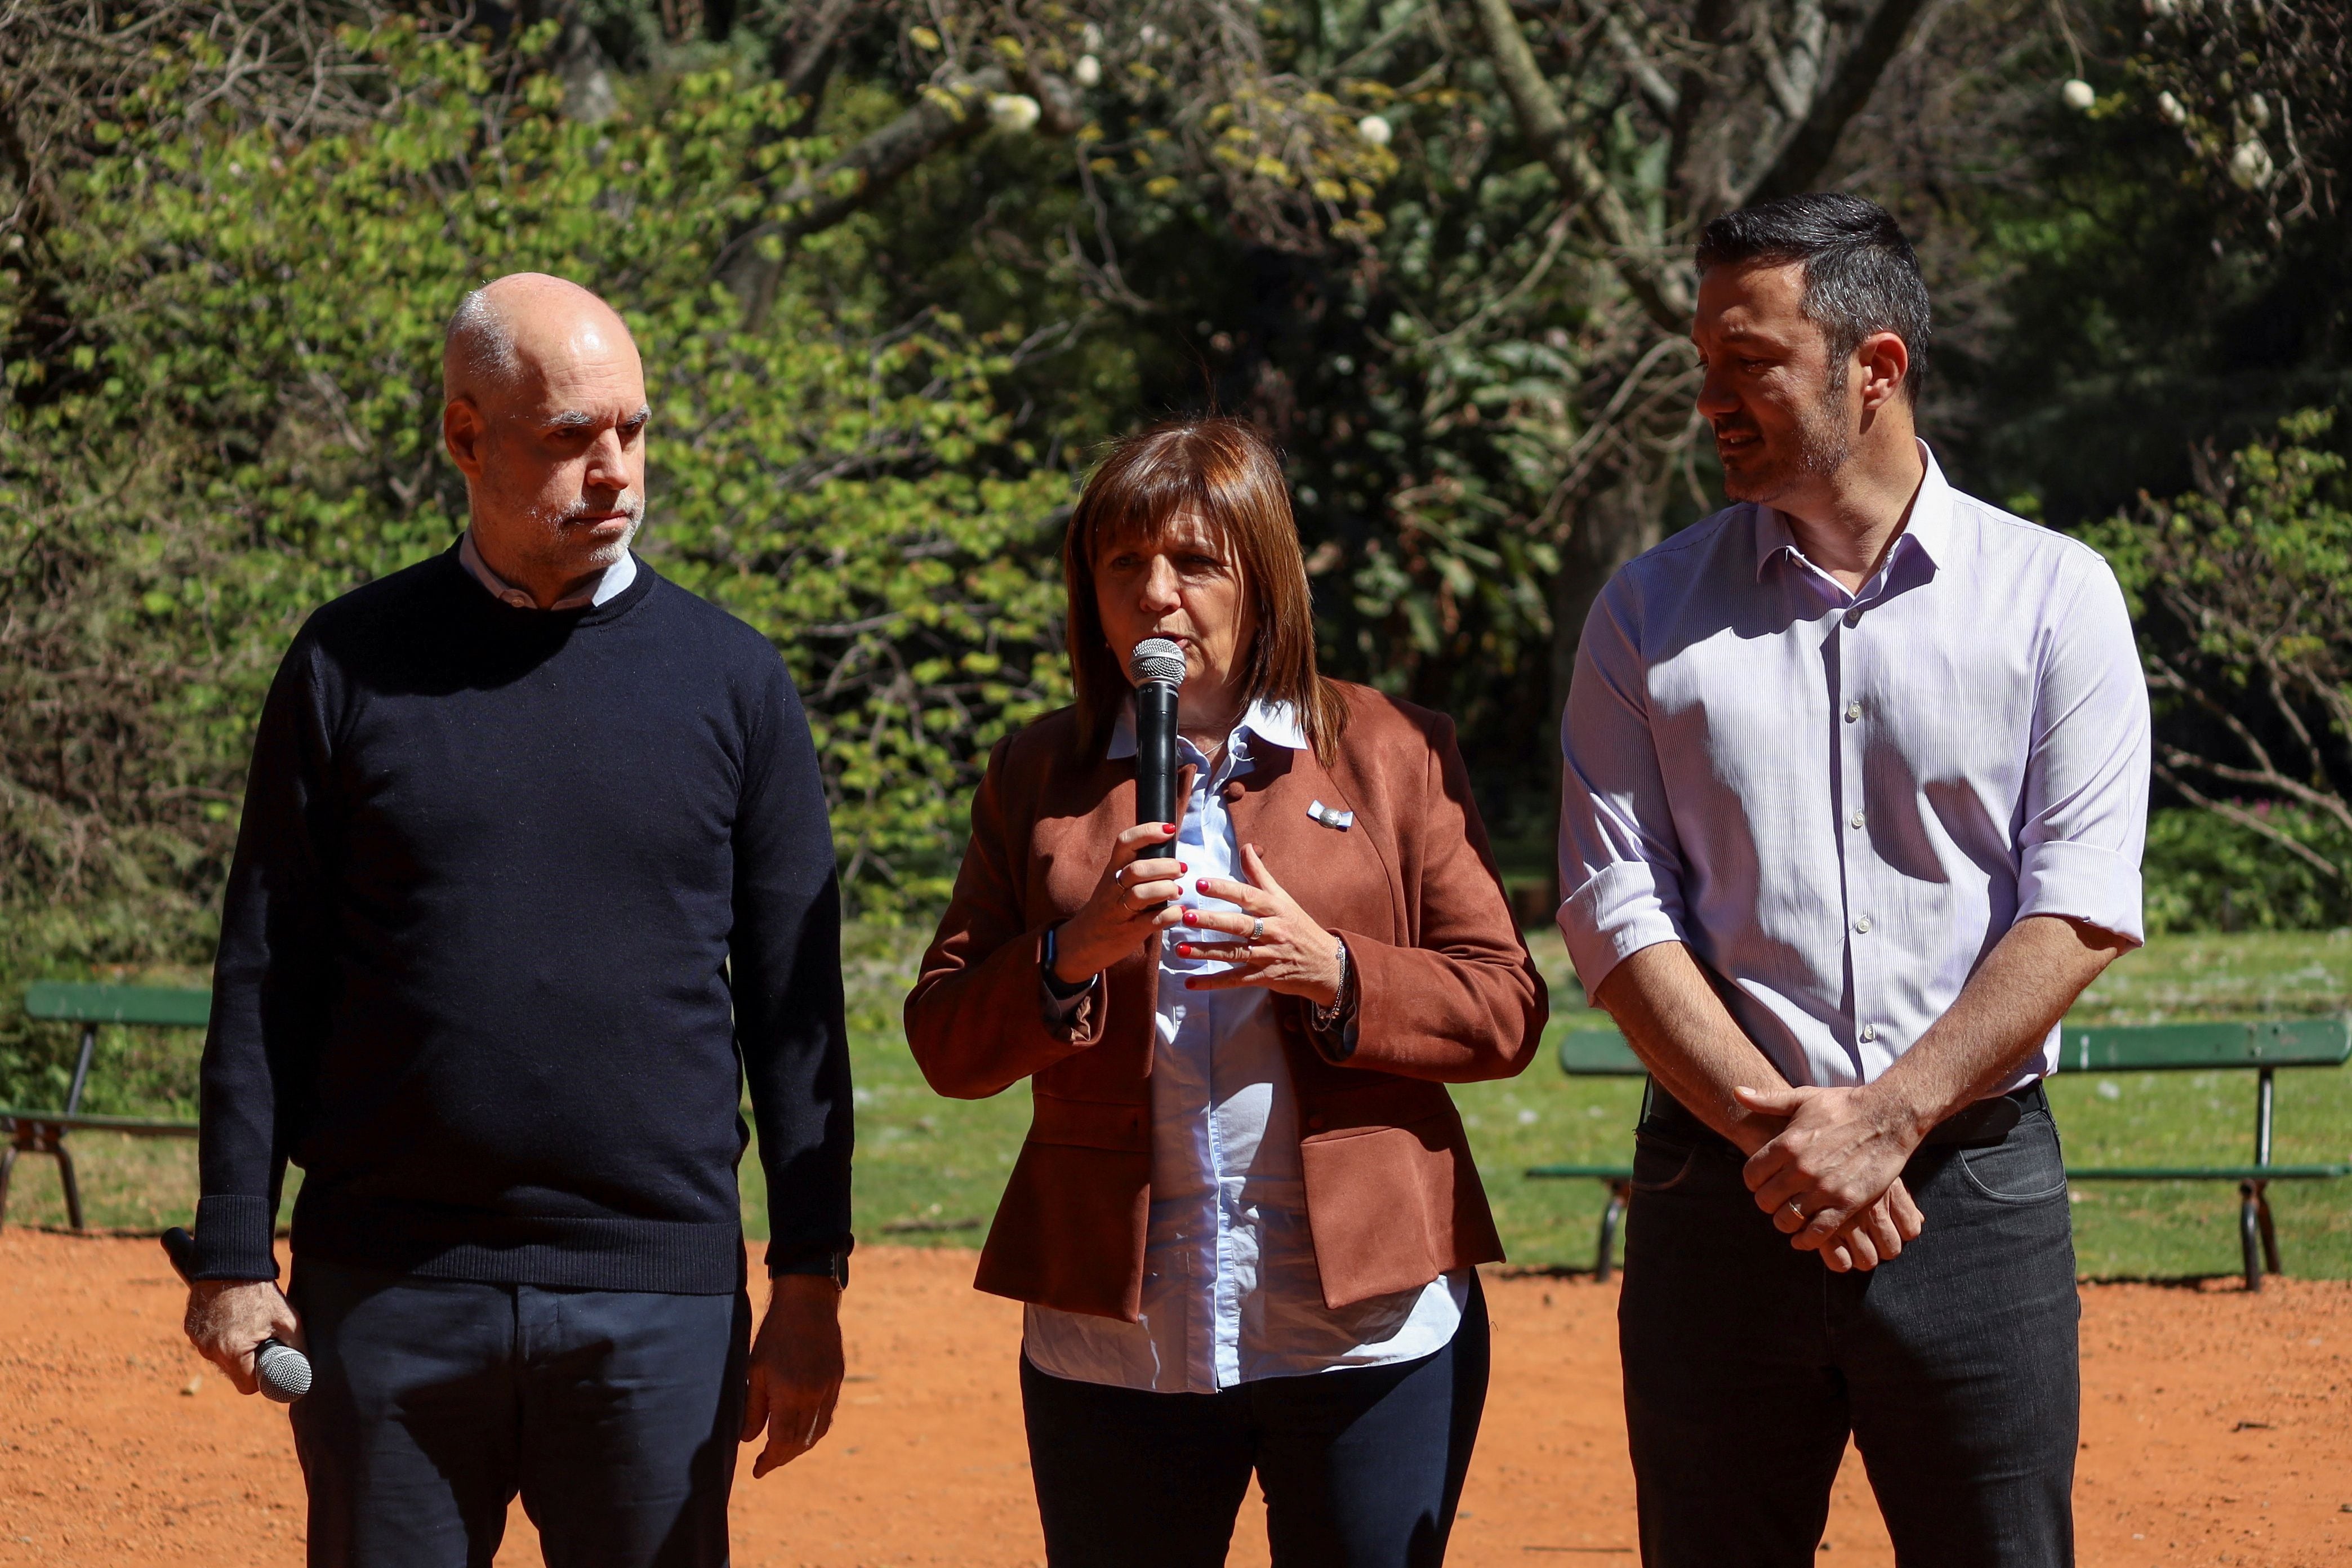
<point>232,1238</point>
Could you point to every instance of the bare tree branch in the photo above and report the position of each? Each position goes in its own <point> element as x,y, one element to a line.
<point>811,60</point>
<point>2237,814</point>
<point>1586,189</point>
<point>1812,140</point>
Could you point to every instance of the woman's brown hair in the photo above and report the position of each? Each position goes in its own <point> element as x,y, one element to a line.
<point>1223,470</point>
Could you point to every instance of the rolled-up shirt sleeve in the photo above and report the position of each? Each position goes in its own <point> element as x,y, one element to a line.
<point>2086,778</point>
<point>1620,866</point>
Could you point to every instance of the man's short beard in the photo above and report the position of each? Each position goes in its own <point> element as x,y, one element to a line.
<point>556,523</point>
<point>1824,443</point>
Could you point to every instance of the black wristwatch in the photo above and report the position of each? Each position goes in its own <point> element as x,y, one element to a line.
<point>1055,984</point>
<point>833,1265</point>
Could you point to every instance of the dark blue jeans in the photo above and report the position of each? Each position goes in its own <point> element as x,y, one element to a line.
<point>1954,1367</point>
<point>612,1414</point>
<point>1361,1467</point>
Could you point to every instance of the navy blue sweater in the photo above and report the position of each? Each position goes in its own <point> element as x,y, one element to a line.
<point>521,899</point>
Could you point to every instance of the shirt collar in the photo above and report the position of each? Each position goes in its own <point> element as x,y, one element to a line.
<point>1928,530</point>
<point>616,577</point>
<point>1275,723</point>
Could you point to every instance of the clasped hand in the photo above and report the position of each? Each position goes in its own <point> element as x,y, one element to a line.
<point>1831,1178</point>
<point>1283,949</point>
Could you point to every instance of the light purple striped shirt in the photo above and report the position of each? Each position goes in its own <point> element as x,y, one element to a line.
<point>1841,801</point>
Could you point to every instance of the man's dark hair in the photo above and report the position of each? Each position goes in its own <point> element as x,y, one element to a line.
<point>1861,276</point>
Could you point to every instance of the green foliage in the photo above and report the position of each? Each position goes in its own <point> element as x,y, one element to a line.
<point>250,426</point>
<point>255,429</point>
<point>2206,873</point>
<point>2243,593</point>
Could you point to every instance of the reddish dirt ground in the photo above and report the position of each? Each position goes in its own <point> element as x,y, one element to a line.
<point>2217,1428</point>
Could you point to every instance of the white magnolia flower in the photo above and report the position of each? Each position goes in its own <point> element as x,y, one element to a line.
<point>1375,129</point>
<point>2169,107</point>
<point>2078,94</point>
<point>1015,111</point>
<point>2250,165</point>
<point>1087,72</point>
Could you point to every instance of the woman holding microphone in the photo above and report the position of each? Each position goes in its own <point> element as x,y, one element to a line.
<point>1246,1220</point>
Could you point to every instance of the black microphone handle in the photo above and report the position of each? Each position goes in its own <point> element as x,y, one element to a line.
<point>1155,751</point>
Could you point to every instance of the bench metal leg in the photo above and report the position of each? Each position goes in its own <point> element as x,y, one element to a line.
<point>41,1138</point>
<point>66,1179</point>
<point>2249,1235</point>
<point>1610,1214</point>
<point>2253,1198</point>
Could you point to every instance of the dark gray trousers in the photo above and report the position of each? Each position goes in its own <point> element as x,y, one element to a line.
<point>1955,1366</point>
<point>612,1413</point>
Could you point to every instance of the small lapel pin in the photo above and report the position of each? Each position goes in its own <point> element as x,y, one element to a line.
<point>1342,820</point>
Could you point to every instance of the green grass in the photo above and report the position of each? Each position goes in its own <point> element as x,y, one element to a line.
<point>930,1170</point>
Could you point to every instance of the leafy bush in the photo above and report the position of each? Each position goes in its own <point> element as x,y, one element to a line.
<point>249,424</point>
<point>2241,592</point>
<point>2206,872</point>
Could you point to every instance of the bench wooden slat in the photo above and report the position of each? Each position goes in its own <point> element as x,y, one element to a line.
<point>1587,1051</point>
<point>2176,1047</point>
<point>1590,1052</point>
<point>2210,1173</point>
<point>76,1002</point>
<point>82,1122</point>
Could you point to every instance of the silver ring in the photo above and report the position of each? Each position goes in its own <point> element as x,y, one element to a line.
<point>1257,928</point>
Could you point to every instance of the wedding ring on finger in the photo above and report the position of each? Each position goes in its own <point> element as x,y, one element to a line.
<point>1257,929</point>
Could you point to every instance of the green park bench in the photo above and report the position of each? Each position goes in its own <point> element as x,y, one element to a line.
<point>44,1132</point>
<point>2266,1045</point>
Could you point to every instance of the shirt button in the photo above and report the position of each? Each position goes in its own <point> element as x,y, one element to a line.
<point>1853,617</point>
<point>1869,1033</point>
<point>1857,819</point>
<point>1862,925</point>
<point>1852,712</point>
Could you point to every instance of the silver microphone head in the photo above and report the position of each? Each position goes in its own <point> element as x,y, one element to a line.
<point>1158,658</point>
<point>283,1371</point>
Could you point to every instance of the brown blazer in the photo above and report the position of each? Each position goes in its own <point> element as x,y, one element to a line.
<point>1448,995</point>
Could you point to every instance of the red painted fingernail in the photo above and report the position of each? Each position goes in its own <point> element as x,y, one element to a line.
<point>1181,868</point>
<point>1191,917</point>
<point>1202,884</point>
<point>1183,950</point>
<point>1168,828</point>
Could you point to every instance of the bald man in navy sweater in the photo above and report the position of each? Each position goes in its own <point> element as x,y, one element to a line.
<point>534,878</point>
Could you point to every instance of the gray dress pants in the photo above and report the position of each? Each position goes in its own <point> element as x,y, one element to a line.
<point>1955,1367</point>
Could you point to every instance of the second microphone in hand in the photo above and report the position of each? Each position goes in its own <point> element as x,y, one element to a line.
<point>1157,667</point>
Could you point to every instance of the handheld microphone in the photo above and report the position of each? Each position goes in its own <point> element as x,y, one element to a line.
<point>1158,666</point>
<point>283,1371</point>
